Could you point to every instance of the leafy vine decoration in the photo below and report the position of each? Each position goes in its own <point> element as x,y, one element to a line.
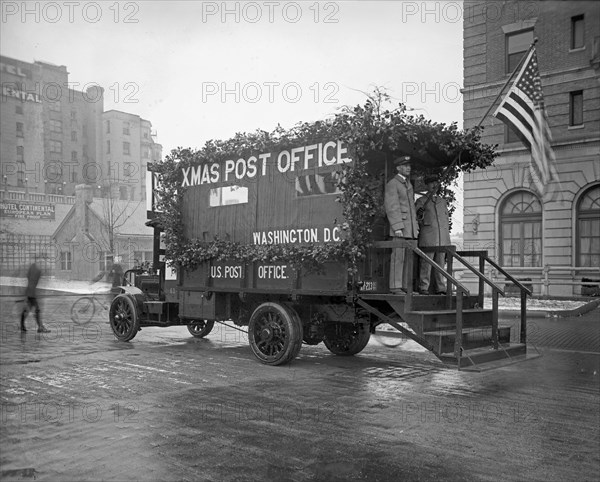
<point>370,130</point>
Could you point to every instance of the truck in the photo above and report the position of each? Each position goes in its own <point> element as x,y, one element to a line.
<point>284,233</point>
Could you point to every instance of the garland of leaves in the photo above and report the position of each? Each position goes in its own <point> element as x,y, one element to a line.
<point>368,129</point>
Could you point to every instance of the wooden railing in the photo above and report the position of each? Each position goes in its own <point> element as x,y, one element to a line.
<point>410,246</point>
<point>483,258</point>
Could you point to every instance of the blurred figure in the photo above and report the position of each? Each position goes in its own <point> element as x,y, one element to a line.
<point>34,274</point>
<point>434,230</point>
<point>115,276</point>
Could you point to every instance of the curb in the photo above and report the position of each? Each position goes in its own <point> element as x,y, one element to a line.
<point>592,305</point>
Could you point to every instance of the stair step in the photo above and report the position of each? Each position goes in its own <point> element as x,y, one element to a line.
<point>434,320</point>
<point>478,356</point>
<point>443,340</point>
<point>426,302</point>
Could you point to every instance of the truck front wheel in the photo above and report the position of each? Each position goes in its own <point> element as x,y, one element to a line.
<point>124,319</point>
<point>275,333</point>
<point>200,328</point>
<point>346,339</point>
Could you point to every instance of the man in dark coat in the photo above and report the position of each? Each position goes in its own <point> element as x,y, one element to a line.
<point>401,213</point>
<point>434,230</point>
<point>34,273</point>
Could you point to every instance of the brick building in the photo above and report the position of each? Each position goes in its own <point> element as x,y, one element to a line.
<point>553,243</point>
<point>51,134</point>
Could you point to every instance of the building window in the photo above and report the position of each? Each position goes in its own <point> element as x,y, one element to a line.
<point>132,194</point>
<point>54,106</point>
<point>73,176</point>
<point>55,126</point>
<point>73,115</point>
<point>521,230</point>
<point>145,135</point>
<point>588,228</point>
<point>123,193</point>
<point>105,262</point>
<point>126,128</point>
<point>108,147</point>
<point>21,176</point>
<point>126,147</point>
<point>19,109</point>
<point>577,32</point>
<point>74,156</point>
<point>516,46</point>
<point>146,153</point>
<point>108,127</point>
<point>73,136</point>
<point>66,260</point>
<point>576,108</point>
<point>19,129</point>
<point>56,146</point>
<point>20,154</point>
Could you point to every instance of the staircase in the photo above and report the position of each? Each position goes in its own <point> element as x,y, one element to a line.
<point>455,327</point>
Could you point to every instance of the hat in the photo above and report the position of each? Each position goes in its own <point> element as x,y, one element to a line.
<point>401,160</point>
<point>430,178</point>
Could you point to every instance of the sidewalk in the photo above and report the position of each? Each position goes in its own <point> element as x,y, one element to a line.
<point>14,286</point>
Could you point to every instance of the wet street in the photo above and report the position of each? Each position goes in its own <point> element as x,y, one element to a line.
<point>78,405</point>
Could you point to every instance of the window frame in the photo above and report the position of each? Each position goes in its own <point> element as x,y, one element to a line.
<point>507,56</point>
<point>521,219</point>
<point>589,214</point>
<point>574,22</point>
<point>572,96</point>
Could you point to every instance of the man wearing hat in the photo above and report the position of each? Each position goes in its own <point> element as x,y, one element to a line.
<point>434,230</point>
<point>401,213</point>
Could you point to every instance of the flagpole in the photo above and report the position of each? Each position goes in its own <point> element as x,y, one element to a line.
<point>517,68</point>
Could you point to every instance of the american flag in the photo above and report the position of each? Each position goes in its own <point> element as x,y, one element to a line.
<point>522,109</point>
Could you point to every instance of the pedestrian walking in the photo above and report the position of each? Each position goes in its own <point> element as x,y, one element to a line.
<point>434,230</point>
<point>401,213</point>
<point>34,274</point>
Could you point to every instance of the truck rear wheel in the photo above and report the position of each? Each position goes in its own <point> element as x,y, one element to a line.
<point>346,339</point>
<point>124,319</point>
<point>200,328</point>
<point>275,333</point>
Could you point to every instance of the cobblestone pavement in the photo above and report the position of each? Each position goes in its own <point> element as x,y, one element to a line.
<point>78,405</point>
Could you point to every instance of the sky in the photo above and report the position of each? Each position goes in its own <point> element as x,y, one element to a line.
<point>206,70</point>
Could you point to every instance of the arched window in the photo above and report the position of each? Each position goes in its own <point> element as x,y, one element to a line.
<point>588,228</point>
<point>521,230</point>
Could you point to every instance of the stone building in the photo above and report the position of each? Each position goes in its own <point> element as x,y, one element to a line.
<point>128,147</point>
<point>552,243</point>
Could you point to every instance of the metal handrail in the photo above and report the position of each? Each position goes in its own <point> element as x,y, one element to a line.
<point>481,276</point>
<point>524,292</point>
<point>511,278</point>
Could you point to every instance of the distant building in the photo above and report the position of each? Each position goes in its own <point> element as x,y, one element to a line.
<point>554,245</point>
<point>54,138</point>
<point>128,148</point>
<point>98,231</point>
<point>51,134</point>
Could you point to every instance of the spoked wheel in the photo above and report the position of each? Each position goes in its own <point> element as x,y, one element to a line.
<point>83,310</point>
<point>124,319</point>
<point>200,328</point>
<point>345,339</point>
<point>275,333</point>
